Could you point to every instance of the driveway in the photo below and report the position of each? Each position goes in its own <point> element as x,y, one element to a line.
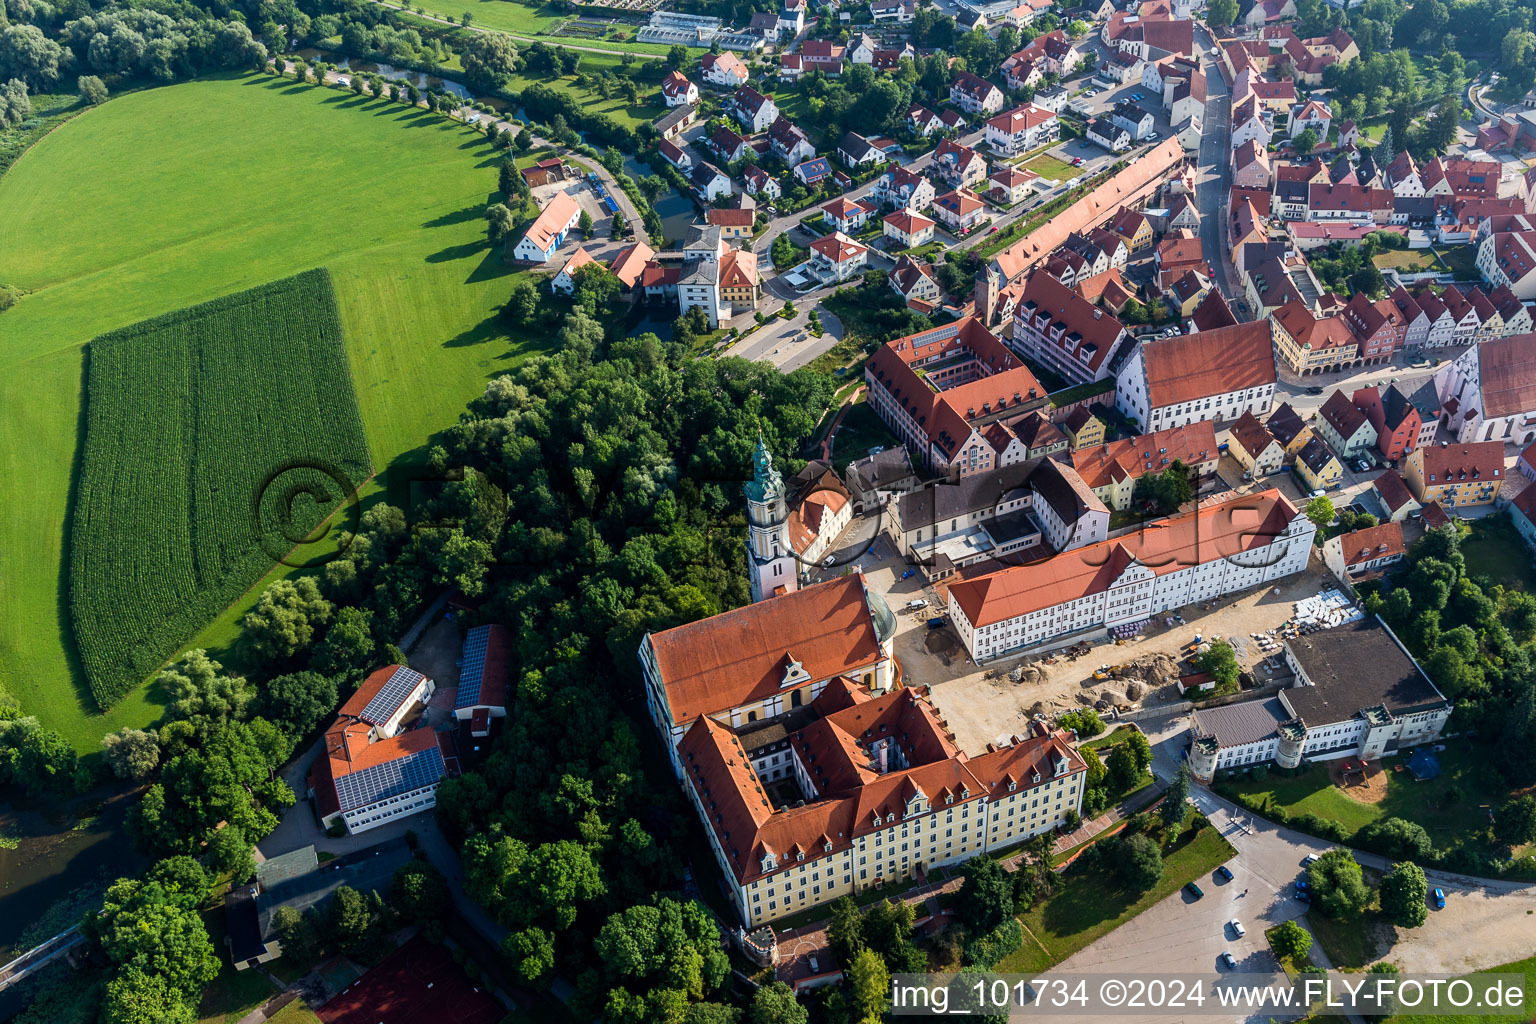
<point>1485,923</point>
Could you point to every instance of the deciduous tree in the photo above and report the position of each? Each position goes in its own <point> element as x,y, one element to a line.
<point>1403,893</point>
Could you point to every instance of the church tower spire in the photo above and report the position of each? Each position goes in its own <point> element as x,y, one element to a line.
<point>773,567</point>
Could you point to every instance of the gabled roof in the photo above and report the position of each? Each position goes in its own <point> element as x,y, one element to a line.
<point>1190,366</point>
<point>1508,375</point>
<point>1215,530</point>
<point>1342,415</point>
<point>743,655</point>
<point>552,220</point>
<point>1251,436</point>
<point>838,247</point>
<point>1131,458</point>
<point>1393,490</point>
<point>1382,541</point>
<point>1088,334</point>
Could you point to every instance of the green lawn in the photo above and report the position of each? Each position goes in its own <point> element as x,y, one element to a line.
<point>536,21</point>
<point>1405,259</point>
<point>169,197</point>
<point>1050,167</point>
<point>1493,548</point>
<point>859,431</point>
<point>1526,967</point>
<point>1093,903</point>
<point>1447,821</point>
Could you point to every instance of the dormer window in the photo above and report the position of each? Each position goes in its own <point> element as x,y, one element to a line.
<point>800,856</point>
<point>768,862</point>
<point>1012,785</point>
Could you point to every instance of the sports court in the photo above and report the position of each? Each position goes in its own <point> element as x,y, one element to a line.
<point>417,982</point>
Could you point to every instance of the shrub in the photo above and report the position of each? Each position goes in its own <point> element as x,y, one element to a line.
<point>987,949</point>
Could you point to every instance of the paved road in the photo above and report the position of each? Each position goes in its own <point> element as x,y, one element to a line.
<point>1214,176</point>
<point>1181,934</point>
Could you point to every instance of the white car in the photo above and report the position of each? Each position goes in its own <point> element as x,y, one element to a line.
<point>1237,927</point>
<point>914,605</point>
<point>829,561</point>
<point>1311,858</point>
<point>1229,960</point>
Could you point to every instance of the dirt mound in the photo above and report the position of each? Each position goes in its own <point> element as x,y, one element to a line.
<point>940,641</point>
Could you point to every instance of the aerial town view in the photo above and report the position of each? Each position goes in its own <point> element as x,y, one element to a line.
<point>766,512</point>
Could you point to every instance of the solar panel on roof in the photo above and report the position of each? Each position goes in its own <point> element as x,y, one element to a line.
<point>382,781</point>
<point>392,695</point>
<point>472,672</point>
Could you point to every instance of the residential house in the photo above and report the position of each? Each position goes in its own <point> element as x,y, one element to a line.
<point>1456,475</point>
<point>915,282</point>
<point>1133,227</point>
<point>1522,513</point>
<point>789,143</point>
<point>1135,120</point>
<point>760,183</point>
<point>1377,326</point>
<point>975,95</point>
<point>729,146</point>
<point>1011,185</point>
<point>1113,469</point>
<point>902,189</point>
<point>856,151</point>
<point>629,265</point>
<point>1254,447</point>
<point>813,172</point>
<point>792,16</point>
<point>1058,328</point>
<point>847,215</point>
<point>676,90</point>
<point>1123,66</point>
<point>900,12</point>
<point>791,67</point>
<point>1290,430</point>
<point>547,232</point>
<point>958,166</point>
<point>824,56</point>
<point>732,223</point>
<point>565,281</point>
<point>836,258</point>
<point>1083,429</point>
<point>709,182</point>
<point>1507,259</point>
<point>1022,129</point>
<point>861,49</point>
<point>1399,426</point>
<point>1104,132</point>
<point>1251,123</point>
<point>1392,491</point>
<point>1187,292</point>
<point>961,211</point>
<point>675,155</point>
<point>923,121</point>
<point>907,229</point>
<point>1347,430</point>
<point>1250,165</point>
<point>1313,114</point>
<point>723,69</point>
<point>1318,468</point>
<point>1212,375</point>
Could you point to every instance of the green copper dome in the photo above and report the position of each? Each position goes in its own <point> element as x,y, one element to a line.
<point>885,619</point>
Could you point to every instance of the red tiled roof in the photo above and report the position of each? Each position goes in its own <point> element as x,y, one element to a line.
<point>1190,366</point>
<point>1460,463</point>
<point>1508,373</point>
<point>1393,490</point>
<point>1131,458</point>
<point>1371,543</point>
<point>742,655</point>
<point>1216,530</point>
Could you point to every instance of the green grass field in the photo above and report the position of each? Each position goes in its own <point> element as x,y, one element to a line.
<point>1447,806</point>
<point>170,197</point>
<point>1094,903</point>
<point>537,22</point>
<point>1526,967</point>
<point>1493,548</point>
<point>192,418</point>
<point>1050,167</point>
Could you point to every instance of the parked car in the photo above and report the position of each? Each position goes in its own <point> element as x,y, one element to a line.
<point>1303,896</point>
<point>1439,897</point>
<point>1302,885</point>
<point>829,560</point>
<point>1317,493</point>
<point>1237,927</point>
<point>1313,858</point>
<point>1229,961</point>
<point>917,603</point>
<point>1194,890</point>
<point>1224,873</point>
<point>937,622</point>
<point>1314,390</point>
<point>1363,466</point>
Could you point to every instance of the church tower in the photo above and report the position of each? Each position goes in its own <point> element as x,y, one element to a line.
<point>773,567</point>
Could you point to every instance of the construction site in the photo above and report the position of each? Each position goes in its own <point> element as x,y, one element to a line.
<point>1128,675</point>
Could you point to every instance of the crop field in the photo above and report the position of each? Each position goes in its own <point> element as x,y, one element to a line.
<point>212,437</point>
<point>166,198</point>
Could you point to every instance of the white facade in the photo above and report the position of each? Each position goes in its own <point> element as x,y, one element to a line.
<point>1139,593</point>
<point>1131,398</point>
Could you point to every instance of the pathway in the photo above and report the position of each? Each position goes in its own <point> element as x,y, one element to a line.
<point>39,956</point>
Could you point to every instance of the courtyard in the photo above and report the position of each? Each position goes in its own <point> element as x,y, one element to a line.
<point>982,704</point>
